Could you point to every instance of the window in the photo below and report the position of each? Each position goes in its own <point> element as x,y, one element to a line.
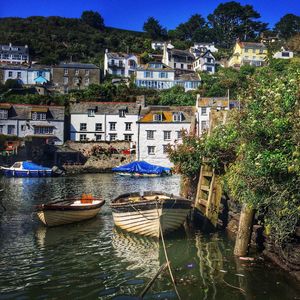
<point>10,129</point>
<point>150,134</point>
<point>76,72</point>
<point>285,54</point>
<point>177,117</point>
<point>163,75</point>
<point>167,135</point>
<point>66,71</point>
<point>209,69</point>
<point>23,127</point>
<point>112,62</point>
<point>98,137</point>
<point>112,126</point>
<point>87,72</point>
<point>128,126</point>
<point>43,130</point>
<point>204,125</point>
<point>76,81</point>
<point>82,137</point>
<point>19,75</point>
<point>112,136</point>
<point>165,148</point>
<point>39,116</point>
<point>122,113</point>
<point>1,128</point>
<point>3,114</point>
<point>174,65</point>
<point>148,74</point>
<point>98,127</point>
<point>151,150</point>
<point>10,74</point>
<point>82,126</point>
<point>86,81</point>
<point>182,66</point>
<point>157,117</point>
<point>189,67</point>
<point>203,111</point>
<point>66,80</point>
<point>179,135</point>
<point>128,137</point>
<point>91,112</point>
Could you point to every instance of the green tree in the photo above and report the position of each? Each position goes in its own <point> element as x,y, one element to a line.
<point>154,29</point>
<point>288,26</point>
<point>231,20</point>
<point>93,18</point>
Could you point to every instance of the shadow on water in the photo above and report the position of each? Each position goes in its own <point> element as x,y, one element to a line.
<point>94,260</point>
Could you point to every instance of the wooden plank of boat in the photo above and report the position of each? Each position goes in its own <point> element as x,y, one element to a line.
<point>66,212</point>
<point>144,214</point>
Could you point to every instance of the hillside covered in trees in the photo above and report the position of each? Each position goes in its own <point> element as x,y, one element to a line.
<point>54,39</point>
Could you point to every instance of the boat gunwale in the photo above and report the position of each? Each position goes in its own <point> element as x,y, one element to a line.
<point>56,207</point>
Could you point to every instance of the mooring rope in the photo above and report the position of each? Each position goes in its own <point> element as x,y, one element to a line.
<point>166,256</point>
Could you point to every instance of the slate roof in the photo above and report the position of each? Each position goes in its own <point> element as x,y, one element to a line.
<point>118,55</point>
<point>11,49</point>
<point>252,45</point>
<point>28,68</point>
<point>109,108</point>
<point>76,66</point>
<point>177,52</point>
<point>147,67</point>
<point>188,77</point>
<point>23,111</point>
<point>188,113</point>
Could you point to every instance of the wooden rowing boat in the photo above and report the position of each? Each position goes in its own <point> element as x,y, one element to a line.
<point>144,214</point>
<point>68,211</point>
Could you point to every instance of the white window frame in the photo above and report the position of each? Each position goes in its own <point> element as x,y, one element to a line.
<point>128,126</point>
<point>112,126</point>
<point>167,135</point>
<point>91,112</point>
<point>98,127</point>
<point>150,134</point>
<point>83,127</point>
<point>151,150</point>
<point>112,137</point>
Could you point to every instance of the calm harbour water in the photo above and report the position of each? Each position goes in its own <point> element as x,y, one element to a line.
<point>93,260</point>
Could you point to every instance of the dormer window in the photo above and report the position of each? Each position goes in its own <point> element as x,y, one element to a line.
<point>157,117</point>
<point>122,113</point>
<point>177,117</point>
<point>3,114</point>
<point>91,112</point>
<point>39,116</point>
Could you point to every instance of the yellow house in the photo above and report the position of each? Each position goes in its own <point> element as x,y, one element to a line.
<point>246,53</point>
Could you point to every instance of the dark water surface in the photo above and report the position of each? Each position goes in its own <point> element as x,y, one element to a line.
<point>93,260</point>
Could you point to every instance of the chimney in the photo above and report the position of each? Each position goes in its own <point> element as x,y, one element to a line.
<point>140,100</point>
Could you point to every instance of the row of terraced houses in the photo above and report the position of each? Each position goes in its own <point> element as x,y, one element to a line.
<point>148,129</point>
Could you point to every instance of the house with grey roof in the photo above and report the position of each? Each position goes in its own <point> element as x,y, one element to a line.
<point>105,121</point>
<point>24,120</point>
<point>71,76</point>
<point>26,75</point>
<point>200,48</point>
<point>179,60</point>
<point>120,64</point>
<point>205,62</point>
<point>156,75</point>
<point>11,54</point>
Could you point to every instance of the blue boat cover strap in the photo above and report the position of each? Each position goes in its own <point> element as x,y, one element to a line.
<point>27,165</point>
<point>141,167</point>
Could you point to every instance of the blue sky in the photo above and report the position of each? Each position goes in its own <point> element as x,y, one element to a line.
<point>131,14</point>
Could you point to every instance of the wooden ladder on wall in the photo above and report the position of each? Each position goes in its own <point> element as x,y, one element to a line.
<point>209,193</point>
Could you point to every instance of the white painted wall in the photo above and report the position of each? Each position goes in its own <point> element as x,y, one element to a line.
<point>27,76</point>
<point>159,158</point>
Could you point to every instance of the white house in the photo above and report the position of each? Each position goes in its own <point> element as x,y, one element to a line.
<point>205,62</point>
<point>180,60</point>
<point>203,107</point>
<point>27,75</point>
<point>105,121</point>
<point>284,54</point>
<point>158,45</point>
<point>24,120</point>
<point>10,54</point>
<point>120,64</point>
<point>159,127</point>
<point>156,75</point>
<point>199,48</point>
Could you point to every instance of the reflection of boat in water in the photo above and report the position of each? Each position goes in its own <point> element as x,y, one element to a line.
<point>69,211</point>
<point>146,214</point>
<point>141,169</point>
<point>30,169</point>
<point>137,252</point>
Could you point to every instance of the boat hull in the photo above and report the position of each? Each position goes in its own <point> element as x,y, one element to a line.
<point>146,217</point>
<point>27,173</point>
<point>56,217</point>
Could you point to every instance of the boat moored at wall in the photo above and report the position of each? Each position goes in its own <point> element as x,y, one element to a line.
<point>145,214</point>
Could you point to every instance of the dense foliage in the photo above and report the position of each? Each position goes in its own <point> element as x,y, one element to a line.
<point>258,149</point>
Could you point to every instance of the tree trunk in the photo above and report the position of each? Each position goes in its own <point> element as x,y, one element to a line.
<point>244,232</point>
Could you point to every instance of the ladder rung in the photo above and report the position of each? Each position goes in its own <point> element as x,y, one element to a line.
<point>207,173</point>
<point>204,188</point>
<point>202,202</point>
